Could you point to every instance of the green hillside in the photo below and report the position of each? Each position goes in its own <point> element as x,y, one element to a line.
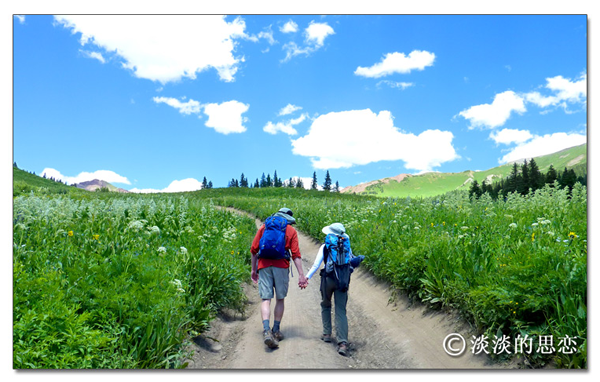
<point>24,183</point>
<point>433,183</point>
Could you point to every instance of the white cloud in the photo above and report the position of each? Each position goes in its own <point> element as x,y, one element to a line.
<point>314,38</point>
<point>163,48</point>
<point>189,184</point>
<point>284,127</point>
<point>543,145</point>
<point>393,84</point>
<point>226,117</point>
<point>21,18</point>
<point>495,114</point>
<point>189,107</point>
<point>508,136</point>
<point>105,175</point>
<point>358,137</point>
<point>289,27</point>
<point>317,32</point>
<point>94,55</point>
<point>306,182</point>
<point>289,109</point>
<point>267,35</point>
<point>398,63</point>
<point>564,91</point>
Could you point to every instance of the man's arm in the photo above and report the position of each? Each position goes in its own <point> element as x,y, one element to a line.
<point>254,274</point>
<point>302,281</point>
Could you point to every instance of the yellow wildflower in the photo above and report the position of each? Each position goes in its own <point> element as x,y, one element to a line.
<point>70,233</point>
<point>95,237</point>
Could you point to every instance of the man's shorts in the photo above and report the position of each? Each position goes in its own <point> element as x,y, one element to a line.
<point>273,277</point>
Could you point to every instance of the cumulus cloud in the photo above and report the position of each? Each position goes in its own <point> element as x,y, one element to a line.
<point>358,137</point>
<point>564,91</point>
<point>189,107</point>
<point>105,175</point>
<point>544,145</point>
<point>95,55</point>
<point>397,63</point>
<point>508,136</point>
<point>289,27</point>
<point>495,114</point>
<point>289,109</point>
<point>285,127</point>
<point>394,84</point>
<point>314,39</point>
<point>189,184</point>
<point>163,48</point>
<point>306,182</point>
<point>226,117</point>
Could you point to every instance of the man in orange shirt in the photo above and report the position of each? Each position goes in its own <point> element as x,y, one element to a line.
<point>271,274</point>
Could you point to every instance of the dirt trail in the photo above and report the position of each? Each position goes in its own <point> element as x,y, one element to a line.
<point>383,334</point>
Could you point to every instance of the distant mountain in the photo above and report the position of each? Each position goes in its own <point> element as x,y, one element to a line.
<point>437,183</point>
<point>96,184</point>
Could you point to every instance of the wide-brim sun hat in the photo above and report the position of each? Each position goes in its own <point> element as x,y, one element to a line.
<point>336,229</point>
<point>287,211</point>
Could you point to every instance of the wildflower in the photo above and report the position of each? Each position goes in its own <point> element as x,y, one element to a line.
<point>431,225</point>
<point>464,228</point>
<point>534,225</point>
<point>183,250</point>
<point>533,236</point>
<point>513,225</point>
<point>572,235</point>
<point>550,233</point>
<point>544,222</point>
<point>70,233</point>
<point>135,225</point>
<point>95,237</point>
<point>161,251</point>
<point>154,230</point>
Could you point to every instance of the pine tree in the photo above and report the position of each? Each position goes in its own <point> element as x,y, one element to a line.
<point>551,176</point>
<point>204,183</point>
<point>243,181</point>
<point>337,186</point>
<point>327,184</point>
<point>536,179</point>
<point>269,181</point>
<point>299,183</point>
<point>526,184</point>
<point>313,185</point>
<point>291,183</point>
<point>276,181</point>
<point>210,185</point>
<point>263,181</point>
<point>256,184</point>
<point>474,190</point>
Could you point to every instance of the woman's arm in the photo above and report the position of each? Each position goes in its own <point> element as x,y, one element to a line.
<point>317,263</point>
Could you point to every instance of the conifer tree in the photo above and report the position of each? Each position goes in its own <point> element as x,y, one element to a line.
<point>536,180</point>
<point>551,176</point>
<point>299,183</point>
<point>210,185</point>
<point>313,185</point>
<point>263,181</point>
<point>337,186</point>
<point>256,184</point>
<point>327,184</point>
<point>269,181</point>
<point>204,183</point>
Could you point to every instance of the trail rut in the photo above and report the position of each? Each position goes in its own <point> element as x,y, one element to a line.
<point>384,333</point>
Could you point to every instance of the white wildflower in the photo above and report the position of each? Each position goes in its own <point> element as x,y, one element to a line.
<point>513,225</point>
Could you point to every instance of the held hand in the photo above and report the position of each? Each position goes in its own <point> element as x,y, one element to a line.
<point>254,277</point>
<point>303,282</point>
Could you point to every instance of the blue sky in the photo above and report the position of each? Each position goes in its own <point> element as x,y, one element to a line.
<point>160,102</point>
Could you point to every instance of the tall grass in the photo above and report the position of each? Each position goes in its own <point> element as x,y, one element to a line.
<point>120,281</point>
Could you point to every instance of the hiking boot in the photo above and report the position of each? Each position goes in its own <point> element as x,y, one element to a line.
<point>278,335</point>
<point>342,349</point>
<point>326,337</point>
<point>269,339</point>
